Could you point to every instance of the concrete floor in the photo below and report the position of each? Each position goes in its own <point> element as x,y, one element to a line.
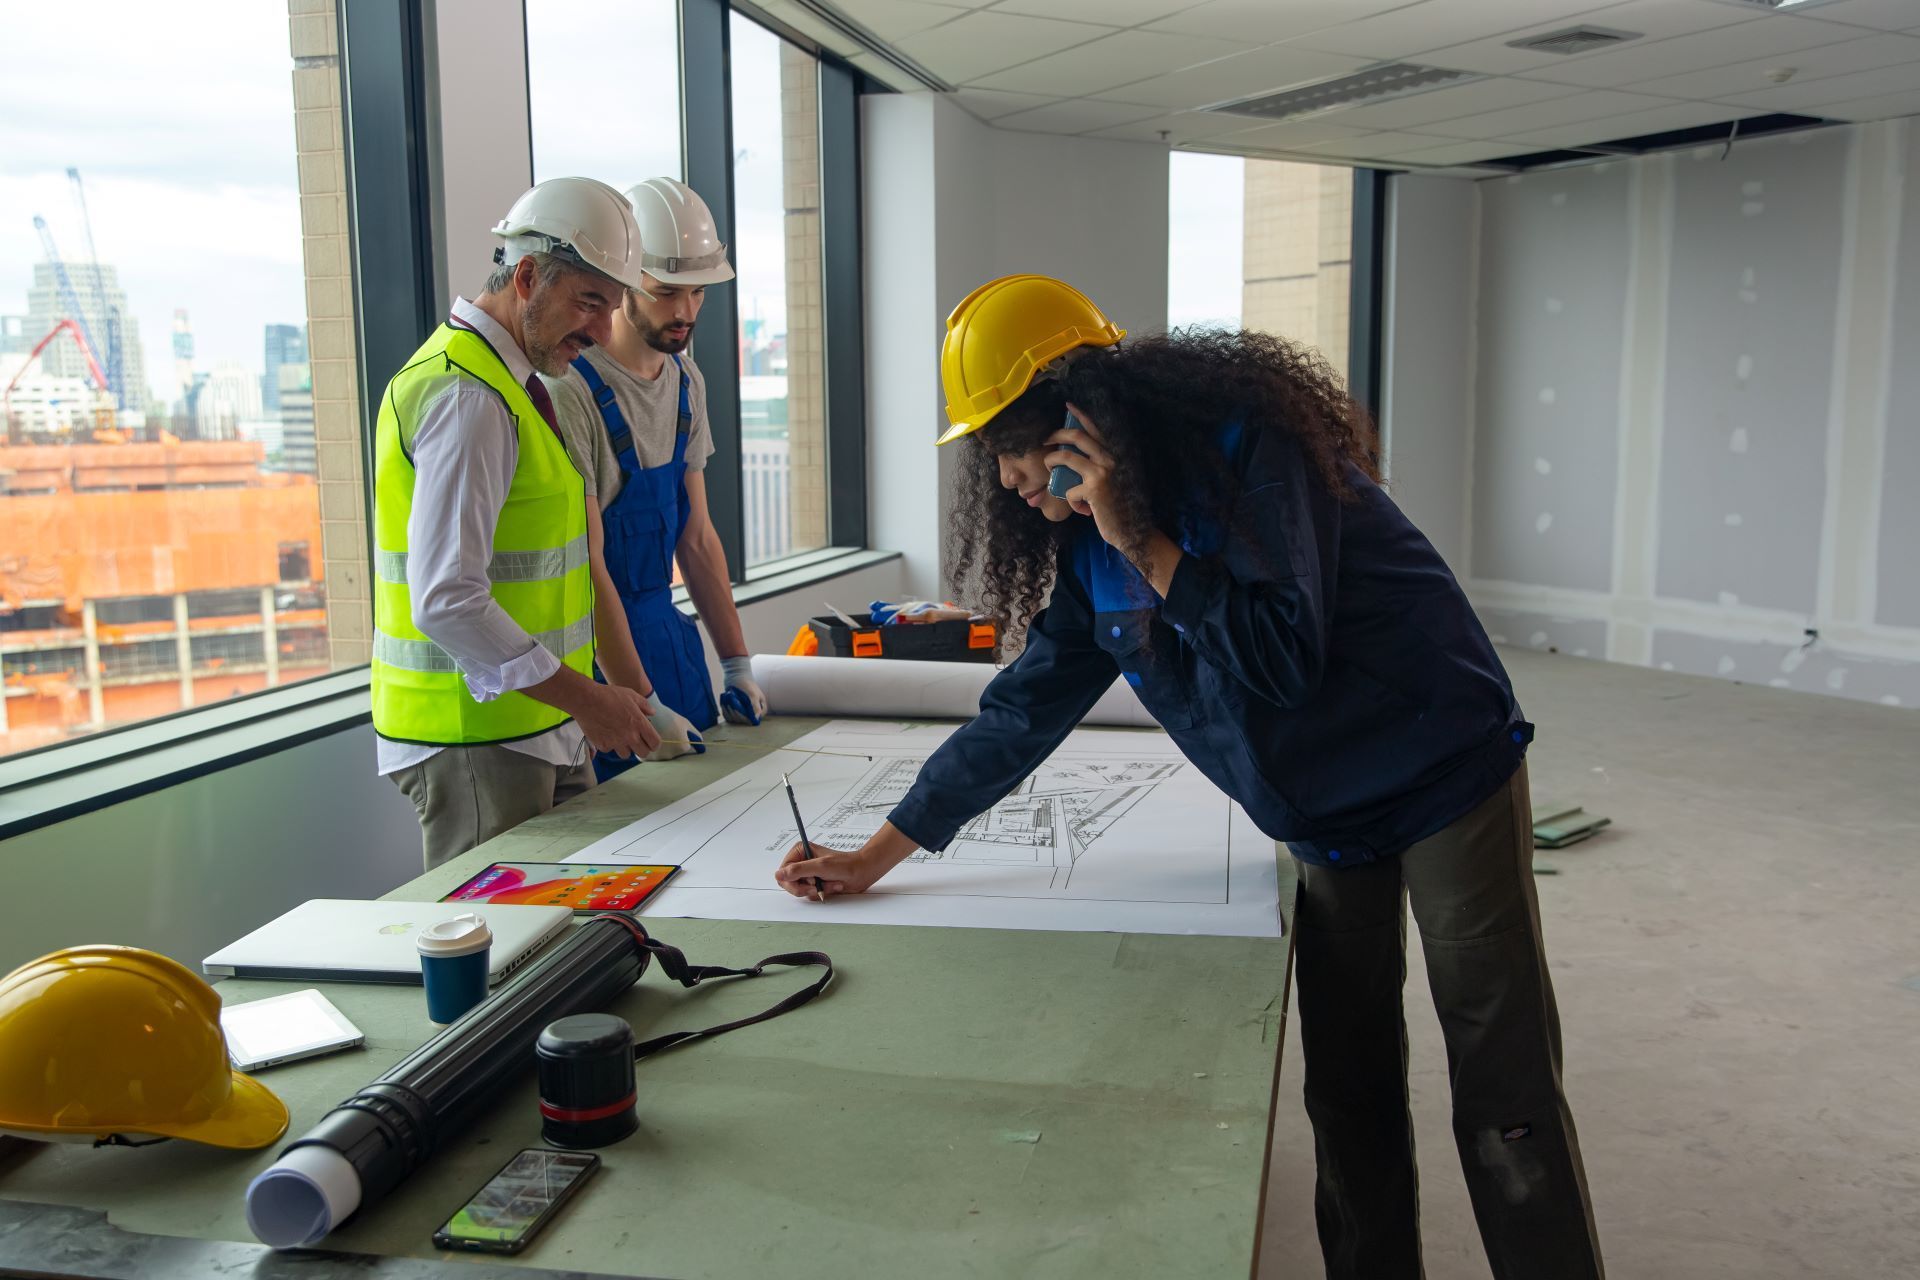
<point>1737,961</point>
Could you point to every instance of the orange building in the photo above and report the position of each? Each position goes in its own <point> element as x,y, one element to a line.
<point>141,579</point>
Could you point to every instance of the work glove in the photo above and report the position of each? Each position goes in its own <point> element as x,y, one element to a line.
<point>678,737</point>
<point>741,701</point>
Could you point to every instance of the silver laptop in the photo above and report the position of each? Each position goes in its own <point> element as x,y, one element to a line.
<point>342,940</point>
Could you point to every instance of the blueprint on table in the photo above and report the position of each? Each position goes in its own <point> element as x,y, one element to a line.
<point>1115,831</point>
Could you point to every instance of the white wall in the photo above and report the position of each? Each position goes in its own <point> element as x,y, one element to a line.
<point>186,869</point>
<point>1693,423</point>
<point>477,108</point>
<point>951,203</point>
<point>1428,332</point>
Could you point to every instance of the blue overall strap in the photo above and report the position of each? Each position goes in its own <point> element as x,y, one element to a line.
<point>603,396</point>
<point>685,423</point>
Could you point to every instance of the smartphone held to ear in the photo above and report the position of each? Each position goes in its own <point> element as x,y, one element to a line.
<point>504,1215</point>
<point>1063,480</point>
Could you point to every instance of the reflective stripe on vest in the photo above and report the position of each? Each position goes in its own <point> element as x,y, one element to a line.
<point>537,571</point>
<point>506,566</point>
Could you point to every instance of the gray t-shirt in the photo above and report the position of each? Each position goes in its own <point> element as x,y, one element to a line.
<point>652,410</point>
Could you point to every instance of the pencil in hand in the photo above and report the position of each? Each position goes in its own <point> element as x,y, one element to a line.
<point>806,846</point>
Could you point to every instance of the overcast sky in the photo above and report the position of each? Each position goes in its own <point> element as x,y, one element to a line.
<point>183,130</point>
<point>180,119</point>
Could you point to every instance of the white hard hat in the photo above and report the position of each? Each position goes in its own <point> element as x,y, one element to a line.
<point>583,221</point>
<point>676,227</point>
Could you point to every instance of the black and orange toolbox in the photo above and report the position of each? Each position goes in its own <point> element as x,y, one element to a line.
<point>954,640</point>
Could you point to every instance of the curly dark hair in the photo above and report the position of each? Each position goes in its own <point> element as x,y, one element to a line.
<point>1159,402</point>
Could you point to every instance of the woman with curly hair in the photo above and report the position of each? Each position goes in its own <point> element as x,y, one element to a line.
<point>1222,541</point>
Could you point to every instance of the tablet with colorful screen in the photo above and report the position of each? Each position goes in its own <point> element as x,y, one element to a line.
<point>585,887</point>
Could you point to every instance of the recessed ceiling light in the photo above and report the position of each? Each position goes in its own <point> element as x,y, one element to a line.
<point>1574,40</point>
<point>1375,84</point>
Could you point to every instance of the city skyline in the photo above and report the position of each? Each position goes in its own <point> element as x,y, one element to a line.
<point>192,194</point>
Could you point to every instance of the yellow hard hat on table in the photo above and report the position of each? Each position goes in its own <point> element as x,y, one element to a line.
<point>1002,334</point>
<point>101,1041</point>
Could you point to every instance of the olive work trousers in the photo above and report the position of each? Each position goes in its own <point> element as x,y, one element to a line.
<point>1472,895</point>
<point>466,796</point>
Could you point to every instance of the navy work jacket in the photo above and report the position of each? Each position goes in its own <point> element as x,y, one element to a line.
<point>1318,662</point>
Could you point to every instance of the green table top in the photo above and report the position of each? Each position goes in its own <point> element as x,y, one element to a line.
<point>962,1102</point>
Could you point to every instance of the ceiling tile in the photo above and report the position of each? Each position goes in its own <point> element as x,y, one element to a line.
<point>1809,64</point>
<point>1450,103</point>
<point>1883,15</point>
<point>1074,115</point>
<point>1265,21</point>
<point>891,19</point>
<point>1651,20</point>
<point>1634,124</point>
<point>1765,37</point>
<point>991,104</point>
<point>1814,94</point>
<point>981,43</point>
<point>1373,146</point>
<point>1464,153</point>
<point>1884,107</point>
<point>1436,24</point>
<point>1243,75</point>
<point>1578,109</point>
<point>1122,58</point>
<point>1291,133</point>
<point>1115,13</point>
<point>1180,127</point>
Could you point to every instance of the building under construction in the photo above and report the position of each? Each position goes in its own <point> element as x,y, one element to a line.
<point>139,579</point>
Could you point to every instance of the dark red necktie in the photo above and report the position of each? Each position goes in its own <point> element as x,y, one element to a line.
<point>537,391</point>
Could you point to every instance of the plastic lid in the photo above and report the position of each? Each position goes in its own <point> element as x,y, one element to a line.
<point>458,936</point>
<point>585,1035</point>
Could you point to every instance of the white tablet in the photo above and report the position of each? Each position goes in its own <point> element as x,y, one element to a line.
<point>304,1024</point>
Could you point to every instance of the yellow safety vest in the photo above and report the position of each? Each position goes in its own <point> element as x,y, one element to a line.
<point>538,570</point>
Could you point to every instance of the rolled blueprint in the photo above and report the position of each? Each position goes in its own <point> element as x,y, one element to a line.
<point>363,1148</point>
<point>897,687</point>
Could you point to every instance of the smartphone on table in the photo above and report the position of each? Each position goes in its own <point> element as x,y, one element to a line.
<point>504,1215</point>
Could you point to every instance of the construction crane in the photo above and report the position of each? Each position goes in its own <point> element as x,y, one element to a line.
<point>109,318</point>
<point>93,367</point>
<point>68,296</point>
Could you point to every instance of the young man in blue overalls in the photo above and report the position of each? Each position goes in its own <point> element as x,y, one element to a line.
<point>633,414</point>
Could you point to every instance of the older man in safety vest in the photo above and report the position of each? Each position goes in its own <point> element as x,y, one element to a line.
<point>483,692</point>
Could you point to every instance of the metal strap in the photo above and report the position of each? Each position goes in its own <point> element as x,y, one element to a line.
<point>425,655</point>
<point>506,566</point>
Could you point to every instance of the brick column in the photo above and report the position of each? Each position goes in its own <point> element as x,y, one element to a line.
<point>1298,254</point>
<point>806,348</point>
<point>337,424</point>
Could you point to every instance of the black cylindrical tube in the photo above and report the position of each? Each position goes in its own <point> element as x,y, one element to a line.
<point>389,1128</point>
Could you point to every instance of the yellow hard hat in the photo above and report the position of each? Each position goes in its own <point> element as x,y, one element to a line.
<point>1005,332</point>
<point>107,1040</point>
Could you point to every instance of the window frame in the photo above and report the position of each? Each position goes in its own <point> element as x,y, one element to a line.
<point>706,120</point>
<point>1366,289</point>
<point>386,82</point>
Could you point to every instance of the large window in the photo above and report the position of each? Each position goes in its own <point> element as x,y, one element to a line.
<point>158,445</point>
<point>1262,244</point>
<point>776,178</point>
<point>616,118</point>
<point>767,190</point>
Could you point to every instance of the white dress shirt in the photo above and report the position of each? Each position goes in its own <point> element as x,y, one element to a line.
<point>465,449</point>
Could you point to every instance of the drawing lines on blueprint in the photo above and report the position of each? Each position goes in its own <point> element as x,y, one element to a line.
<point>1050,820</point>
